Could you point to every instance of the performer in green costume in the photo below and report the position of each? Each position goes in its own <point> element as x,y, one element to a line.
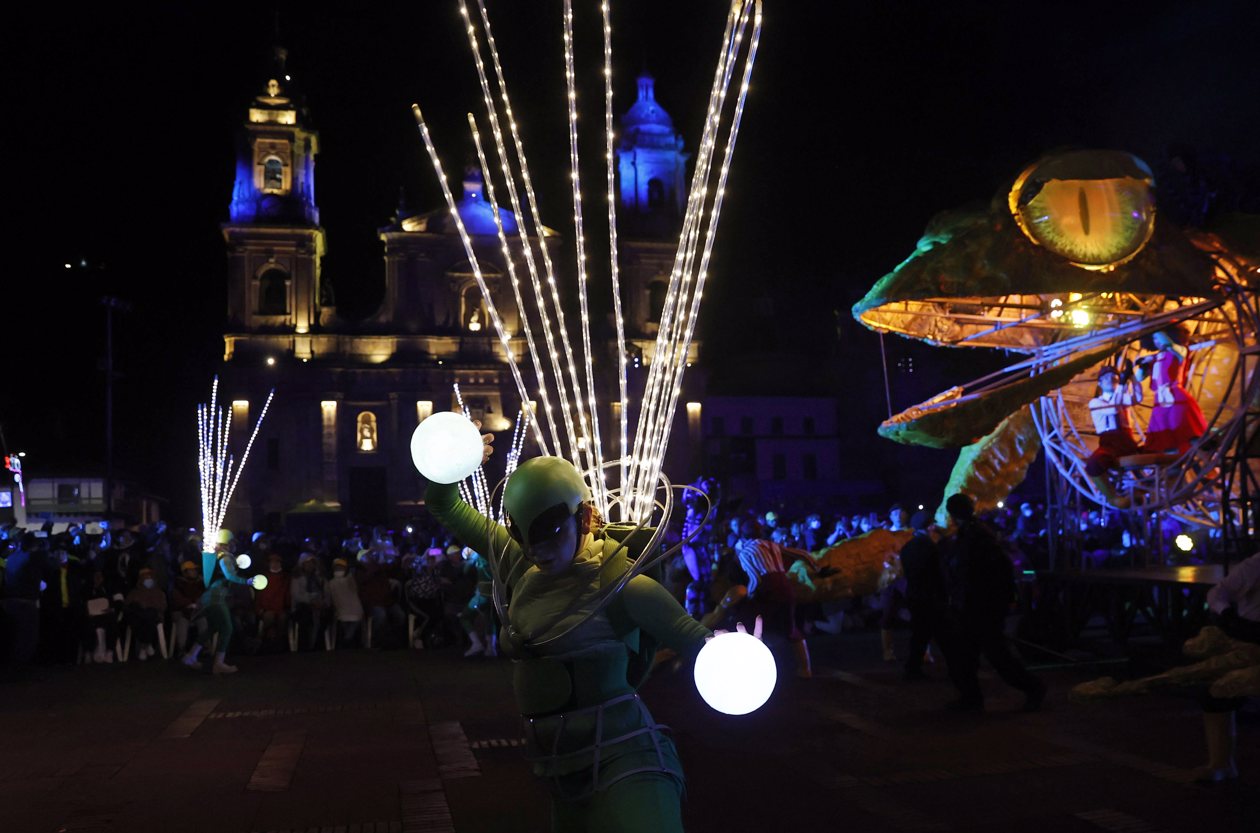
<point>213,604</point>
<point>610,766</point>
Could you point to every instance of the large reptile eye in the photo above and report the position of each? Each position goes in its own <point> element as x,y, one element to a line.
<point>1094,208</point>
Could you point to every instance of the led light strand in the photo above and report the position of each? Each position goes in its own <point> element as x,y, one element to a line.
<point>480,488</point>
<point>711,227</point>
<point>640,464</point>
<point>532,205</point>
<point>491,308</point>
<point>673,346</point>
<point>644,429</point>
<point>595,456</point>
<point>614,266</point>
<point>539,371</point>
<point>218,472</point>
<point>522,220</point>
<point>652,415</point>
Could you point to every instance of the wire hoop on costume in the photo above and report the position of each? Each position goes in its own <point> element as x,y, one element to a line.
<point>638,566</point>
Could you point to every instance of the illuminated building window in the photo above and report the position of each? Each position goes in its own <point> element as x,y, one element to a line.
<point>273,166</point>
<point>273,293</point>
<point>273,174</point>
<point>365,432</point>
<point>473,310</point>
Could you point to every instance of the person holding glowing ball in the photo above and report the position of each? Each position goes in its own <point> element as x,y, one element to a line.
<point>218,571</point>
<point>577,662</point>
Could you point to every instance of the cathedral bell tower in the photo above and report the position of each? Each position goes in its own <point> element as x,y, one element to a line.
<point>651,200</point>
<point>275,243</point>
<point>652,167</point>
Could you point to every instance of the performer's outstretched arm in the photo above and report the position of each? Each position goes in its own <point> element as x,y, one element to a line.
<point>228,564</point>
<point>471,527</point>
<point>659,614</point>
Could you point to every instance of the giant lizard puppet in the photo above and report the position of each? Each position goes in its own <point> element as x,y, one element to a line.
<point>1069,265</point>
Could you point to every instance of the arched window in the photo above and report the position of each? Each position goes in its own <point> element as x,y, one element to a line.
<point>656,193</point>
<point>656,300</point>
<point>273,293</point>
<point>273,174</point>
<point>473,311</point>
<point>365,432</point>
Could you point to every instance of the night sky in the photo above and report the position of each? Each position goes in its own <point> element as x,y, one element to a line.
<point>863,121</point>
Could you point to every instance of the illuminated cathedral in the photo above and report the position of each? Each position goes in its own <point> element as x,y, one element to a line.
<point>349,393</point>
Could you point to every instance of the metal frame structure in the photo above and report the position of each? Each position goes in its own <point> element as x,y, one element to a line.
<point>1215,485</point>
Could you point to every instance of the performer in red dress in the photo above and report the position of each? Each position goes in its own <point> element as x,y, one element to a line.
<point>1176,419</point>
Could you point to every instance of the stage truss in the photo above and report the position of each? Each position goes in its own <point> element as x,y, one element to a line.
<point>1214,485</point>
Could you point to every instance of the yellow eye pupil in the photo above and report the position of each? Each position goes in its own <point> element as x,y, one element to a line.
<point>1094,220</point>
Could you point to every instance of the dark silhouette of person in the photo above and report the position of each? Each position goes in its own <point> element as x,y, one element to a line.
<point>982,587</point>
<point>927,596</point>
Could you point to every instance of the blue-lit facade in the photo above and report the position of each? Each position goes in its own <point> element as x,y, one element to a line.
<point>349,393</point>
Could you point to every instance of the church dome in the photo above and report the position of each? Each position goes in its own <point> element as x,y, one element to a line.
<point>474,210</point>
<point>646,116</point>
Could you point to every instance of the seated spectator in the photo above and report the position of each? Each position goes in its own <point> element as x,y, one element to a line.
<point>145,611</point>
<point>380,600</point>
<point>308,593</point>
<point>423,594</point>
<point>459,583</point>
<point>184,595</point>
<point>271,604</point>
<point>100,622</point>
<point>344,594</point>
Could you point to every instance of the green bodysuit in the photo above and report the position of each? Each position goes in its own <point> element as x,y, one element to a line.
<point>213,603</point>
<point>610,766</point>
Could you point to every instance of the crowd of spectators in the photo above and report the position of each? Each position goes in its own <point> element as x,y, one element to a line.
<point>98,596</point>
<point>93,595</point>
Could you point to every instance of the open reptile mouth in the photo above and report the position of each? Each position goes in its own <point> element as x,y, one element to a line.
<point>1067,266</point>
<point>1062,336</point>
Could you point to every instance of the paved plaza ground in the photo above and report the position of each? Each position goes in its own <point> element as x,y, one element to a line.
<point>421,742</point>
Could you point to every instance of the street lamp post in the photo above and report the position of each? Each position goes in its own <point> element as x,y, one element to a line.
<point>111,304</point>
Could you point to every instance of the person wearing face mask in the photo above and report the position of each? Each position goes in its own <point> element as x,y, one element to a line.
<point>578,661</point>
<point>343,590</point>
<point>308,594</point>
<point>144,609</point>
<point>184,595</point>
<point>271,604</point>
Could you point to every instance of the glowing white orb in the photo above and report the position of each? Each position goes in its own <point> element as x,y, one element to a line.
<point>243,561</point>
<point>1184,542</point>
<point>259,582</point>
<point>735,673</point>
<point>446,447</point>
